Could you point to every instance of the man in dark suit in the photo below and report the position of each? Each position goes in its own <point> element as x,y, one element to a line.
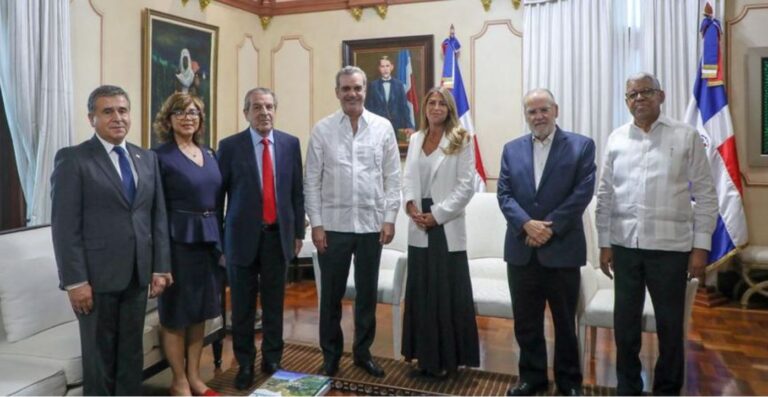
<point>110,236</point>
<point>546,181</point>
<point>386,97</point>
<point>264,228</point>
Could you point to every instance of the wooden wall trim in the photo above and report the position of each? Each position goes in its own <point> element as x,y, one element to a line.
<point>247,38</point>
<point>729,26</point>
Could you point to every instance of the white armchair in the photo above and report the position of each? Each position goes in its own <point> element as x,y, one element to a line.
<point>392,275</point>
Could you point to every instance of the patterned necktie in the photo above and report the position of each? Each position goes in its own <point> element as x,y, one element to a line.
<point>129,186</point>
<point>268,185</point>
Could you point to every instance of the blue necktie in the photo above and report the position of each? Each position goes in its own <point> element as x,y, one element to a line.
<point>129,187</point>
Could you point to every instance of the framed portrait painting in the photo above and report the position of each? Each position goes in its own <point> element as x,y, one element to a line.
<point>177,55</point>
<point>399,70</point>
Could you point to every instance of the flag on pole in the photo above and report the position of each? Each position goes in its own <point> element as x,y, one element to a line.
<point>452,80</point>
<point>708,113</point>
<point>405,74</point>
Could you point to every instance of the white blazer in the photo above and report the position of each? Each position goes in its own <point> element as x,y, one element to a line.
<point>452,188</point>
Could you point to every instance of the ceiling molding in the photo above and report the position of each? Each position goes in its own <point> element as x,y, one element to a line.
<point>287,7</point>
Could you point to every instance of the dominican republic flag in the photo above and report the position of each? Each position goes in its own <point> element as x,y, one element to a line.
<point>452,79</point>
<point>708,112</point>
<point>405,74</point>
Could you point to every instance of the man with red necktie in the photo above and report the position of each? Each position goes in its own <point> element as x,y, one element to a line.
<point>263,228</point>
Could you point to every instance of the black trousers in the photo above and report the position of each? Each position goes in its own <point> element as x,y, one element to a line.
<point>265,277</point>
<point>111,338</point>
<point>334,270</point>
<point>532,287</point>
<point>664,273</point>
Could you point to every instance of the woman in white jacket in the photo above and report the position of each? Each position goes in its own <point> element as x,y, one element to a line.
<point>439,328</point>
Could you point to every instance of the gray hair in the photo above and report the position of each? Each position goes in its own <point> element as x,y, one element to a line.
<point>348,71</point>
<point>258,90</point>
<point>645,76</point>
<point>105,91</point>
<point>544,91</point>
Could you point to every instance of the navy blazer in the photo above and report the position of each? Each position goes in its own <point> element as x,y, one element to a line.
<point>396,109</point>
<point>242,186</point>
<point>566,188</point>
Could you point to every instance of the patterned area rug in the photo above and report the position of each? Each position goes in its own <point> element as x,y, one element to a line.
<point>398,382</point>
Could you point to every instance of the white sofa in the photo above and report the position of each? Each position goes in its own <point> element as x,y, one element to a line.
<point>486,229</point>
<point>39,336</point>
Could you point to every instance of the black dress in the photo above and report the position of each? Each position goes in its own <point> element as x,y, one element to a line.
<point>439,328</point>
<point>191,194</point>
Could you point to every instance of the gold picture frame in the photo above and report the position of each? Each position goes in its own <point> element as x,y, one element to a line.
<point>177,54</point>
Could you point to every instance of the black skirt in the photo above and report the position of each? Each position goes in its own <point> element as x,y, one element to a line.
<point>439,328</point>
<point>195,294</point>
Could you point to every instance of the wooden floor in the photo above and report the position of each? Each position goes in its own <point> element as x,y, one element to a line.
<point>727,347</point>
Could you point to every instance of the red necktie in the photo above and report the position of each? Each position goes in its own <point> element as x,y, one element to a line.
<point>268,185</point>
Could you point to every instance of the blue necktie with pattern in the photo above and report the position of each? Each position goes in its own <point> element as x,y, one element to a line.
<point>129,186</point>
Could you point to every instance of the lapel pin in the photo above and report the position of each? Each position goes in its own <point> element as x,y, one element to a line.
<point>138,156</point>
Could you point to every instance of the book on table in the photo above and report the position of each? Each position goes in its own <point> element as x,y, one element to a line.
<point>287,383</point>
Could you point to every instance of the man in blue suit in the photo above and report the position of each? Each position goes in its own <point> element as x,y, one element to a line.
<point>547,179</point>
<point>263,228</point>
<point>386,97</point>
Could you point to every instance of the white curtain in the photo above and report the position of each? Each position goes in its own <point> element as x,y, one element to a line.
<point>671,47</point>
<point>36,81</point>
<point>584,50</point>
<point>568,48</point>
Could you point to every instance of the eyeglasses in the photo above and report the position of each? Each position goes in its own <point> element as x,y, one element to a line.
<point>191,113</point>
<point>646,93</point>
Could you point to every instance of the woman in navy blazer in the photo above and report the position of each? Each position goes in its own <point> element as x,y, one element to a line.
<point>192,186</point>
<point>439,328</point>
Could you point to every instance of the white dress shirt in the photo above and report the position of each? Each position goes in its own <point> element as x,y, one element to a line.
<point>258,148</point>
<point>352,181</point>
<point>426,164</point>
<point>115,158</point>
<point>387,84</point>
<point>541,154</point>
<point>647,184</point>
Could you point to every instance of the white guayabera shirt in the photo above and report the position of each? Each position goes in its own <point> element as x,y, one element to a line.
<point>648,181</point>
<point>352,181</point>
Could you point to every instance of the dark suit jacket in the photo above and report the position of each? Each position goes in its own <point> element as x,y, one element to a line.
<point>566,188</point>
<point>396,109</point>
<point>242,186</point>
<point>97,236</point>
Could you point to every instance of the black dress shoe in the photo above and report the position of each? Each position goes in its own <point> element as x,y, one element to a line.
<point>527,389</point>
<point>268,367</point>
<point>371,367</point>
<point>570,391</point>
<point>330,368</point>
<point>244,378</point>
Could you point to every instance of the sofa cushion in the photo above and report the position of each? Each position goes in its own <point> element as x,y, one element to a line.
<point>57,347</point>
<point>31,304</point>
<point>599,310</point>
<point>490,288</point>
<point>486,227</point>
<point>25,379</point>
